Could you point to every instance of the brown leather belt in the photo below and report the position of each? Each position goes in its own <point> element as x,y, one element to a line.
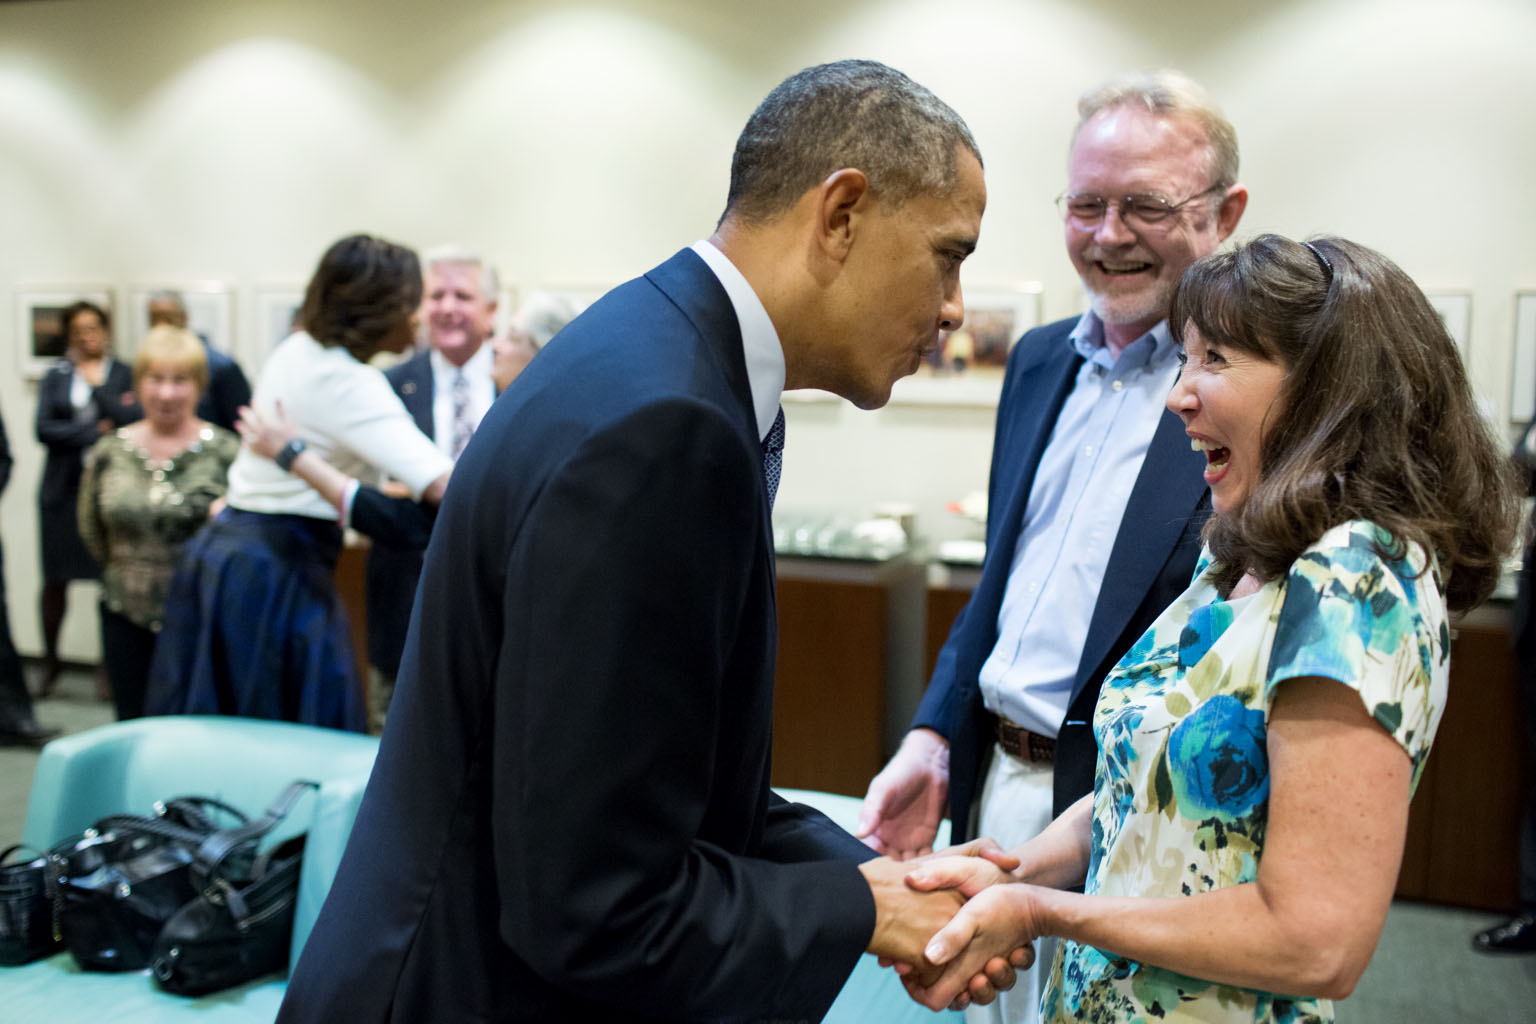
<point>1023,744</point>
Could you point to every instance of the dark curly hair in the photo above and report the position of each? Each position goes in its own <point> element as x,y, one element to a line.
<point>1376,418</point>
<point>359,293</point>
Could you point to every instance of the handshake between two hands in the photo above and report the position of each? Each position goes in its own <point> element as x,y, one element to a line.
<point>956,924</point>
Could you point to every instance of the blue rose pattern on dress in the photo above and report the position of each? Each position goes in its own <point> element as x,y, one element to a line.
<point>1181,798</point>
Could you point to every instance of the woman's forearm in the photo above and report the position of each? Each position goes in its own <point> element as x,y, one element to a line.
<point>1234,936</point>
<point>1058,856</point>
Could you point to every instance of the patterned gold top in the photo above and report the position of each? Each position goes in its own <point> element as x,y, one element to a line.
<point>135,513</point>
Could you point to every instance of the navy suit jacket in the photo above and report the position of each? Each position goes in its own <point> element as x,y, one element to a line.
<point>1150,564</point>
<point>227,390</point>
<point>68,432</point>
<point>570,818</point>
<point>394,569</point>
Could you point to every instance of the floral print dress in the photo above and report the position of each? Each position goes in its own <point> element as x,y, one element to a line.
<point>1180,800</point>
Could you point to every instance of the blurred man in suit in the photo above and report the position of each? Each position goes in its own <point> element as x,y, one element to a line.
<point>1095,503</point>
<point>570,816</point>
<point>447,388</point>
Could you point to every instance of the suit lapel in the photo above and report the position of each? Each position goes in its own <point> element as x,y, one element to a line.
<point>1168,489</point>
<point>416,393</point>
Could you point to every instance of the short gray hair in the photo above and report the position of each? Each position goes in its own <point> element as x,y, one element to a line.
<point>543,316</point>
<point>1169,93</point>
<point>168,295</point>
<point>490,283</point>
<point>854,113</point>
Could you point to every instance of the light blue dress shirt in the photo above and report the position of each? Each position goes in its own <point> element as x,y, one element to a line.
<point>1075,507</point>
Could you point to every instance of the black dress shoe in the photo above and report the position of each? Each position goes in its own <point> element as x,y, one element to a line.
<point>26,734</point>
<point>1517,935</point>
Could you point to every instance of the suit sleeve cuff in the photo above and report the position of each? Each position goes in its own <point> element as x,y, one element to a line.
<point>348,493</point>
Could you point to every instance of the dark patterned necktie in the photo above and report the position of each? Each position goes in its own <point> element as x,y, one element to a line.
<point>462,428</point>
<point>773,456</point>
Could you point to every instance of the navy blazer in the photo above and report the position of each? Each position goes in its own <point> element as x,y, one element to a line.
<point>1150,564</point>
<point>68,432</point>
<point>394,562</point>
<point>228,389</point>
<point>570,818</point>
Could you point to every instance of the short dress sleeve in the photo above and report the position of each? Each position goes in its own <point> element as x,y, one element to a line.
<point>1376,624</point>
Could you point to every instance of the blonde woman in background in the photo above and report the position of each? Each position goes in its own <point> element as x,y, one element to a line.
<point>146,489</point>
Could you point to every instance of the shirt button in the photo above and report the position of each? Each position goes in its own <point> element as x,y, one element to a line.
<point>1088,450</point>
<point>1117,386</point>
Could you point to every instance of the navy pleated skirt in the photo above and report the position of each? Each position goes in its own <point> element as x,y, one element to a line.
<point>253,626</point>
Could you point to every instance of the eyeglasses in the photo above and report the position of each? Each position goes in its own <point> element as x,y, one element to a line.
<point>1138,211</point>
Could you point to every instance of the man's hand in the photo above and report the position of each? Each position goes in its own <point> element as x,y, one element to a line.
<point>999,924</point>
<point>906,919</point>
<point>901,812</point>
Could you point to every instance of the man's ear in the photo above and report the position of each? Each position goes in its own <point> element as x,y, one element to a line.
<point>840,201</point>
<point>1232,206</point>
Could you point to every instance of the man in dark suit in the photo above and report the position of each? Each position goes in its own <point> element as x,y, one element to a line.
<point>228,388</point>
<point>447,388</point>
<point>1095,501</point>
<point>570,816</point>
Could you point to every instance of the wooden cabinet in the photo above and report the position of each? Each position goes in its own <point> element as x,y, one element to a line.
<point>1463,826</point>
<point>847,679</point>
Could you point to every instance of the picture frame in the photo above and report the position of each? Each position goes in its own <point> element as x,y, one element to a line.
<point>1522,377</point>
<point>40,340</point>
<point>210,314</point>
<point>967,367</point>
<point>275,309</point>
<point>1455,308</point>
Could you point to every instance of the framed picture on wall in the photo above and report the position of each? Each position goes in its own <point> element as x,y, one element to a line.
<point>210,314</point>
<point>277,307</point>
<point>1522,377</point>
<point>1455,308</point>
<point>40,322</point>
<point>967,366</point>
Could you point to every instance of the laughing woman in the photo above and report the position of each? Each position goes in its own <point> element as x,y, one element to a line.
<point>1259,745</point>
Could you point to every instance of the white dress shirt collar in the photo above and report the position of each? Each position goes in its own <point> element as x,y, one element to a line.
<point>476,367</point>
<point>759,341</point>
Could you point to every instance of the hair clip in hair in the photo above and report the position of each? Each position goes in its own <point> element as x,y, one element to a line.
<point>1328,267</point>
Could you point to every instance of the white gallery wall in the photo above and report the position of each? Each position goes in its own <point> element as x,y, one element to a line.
<point>577,144</point>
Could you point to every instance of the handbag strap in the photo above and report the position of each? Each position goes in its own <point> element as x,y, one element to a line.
<point>20,846</point>
<point>210,856</point>
<point>193,810</point>
<point>131,824</point>
<point>212,851</point>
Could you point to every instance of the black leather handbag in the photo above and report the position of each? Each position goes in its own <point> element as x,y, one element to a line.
<point>234,930</point>
<point>239,924</point>
<point>114,886</point>
<point>26,913</point>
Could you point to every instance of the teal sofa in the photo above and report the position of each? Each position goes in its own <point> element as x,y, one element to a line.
<point>128,766</point>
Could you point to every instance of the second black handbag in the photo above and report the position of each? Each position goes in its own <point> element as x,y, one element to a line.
<point>114,886</point>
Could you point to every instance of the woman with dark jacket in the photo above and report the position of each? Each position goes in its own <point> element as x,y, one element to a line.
<point>83,396</point>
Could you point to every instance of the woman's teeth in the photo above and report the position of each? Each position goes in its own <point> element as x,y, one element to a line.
<point>1216,456</point>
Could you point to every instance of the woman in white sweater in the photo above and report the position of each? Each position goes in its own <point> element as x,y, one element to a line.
<point>253,624</point>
